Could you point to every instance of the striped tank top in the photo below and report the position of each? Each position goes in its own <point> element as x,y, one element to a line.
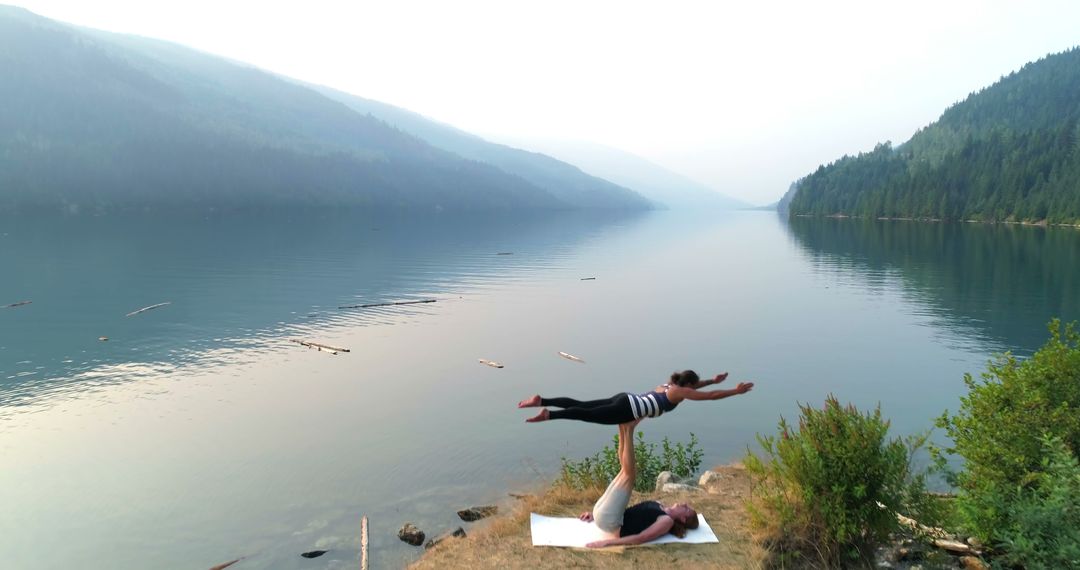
<point>650,404</point>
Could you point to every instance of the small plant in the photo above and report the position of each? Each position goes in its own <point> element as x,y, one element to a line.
<point>828,492</point>
<point>683,460</point>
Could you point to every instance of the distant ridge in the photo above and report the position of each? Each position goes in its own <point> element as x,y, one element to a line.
<point>655,182</point>
<point>98,121</point>
<point>565,181</point>
<point>1010,152</point>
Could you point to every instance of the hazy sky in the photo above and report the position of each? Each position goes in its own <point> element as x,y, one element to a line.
<point>745,97</point>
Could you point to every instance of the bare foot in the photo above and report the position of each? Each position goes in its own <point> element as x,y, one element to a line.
<point>530,402</point>
<point>541,417</point>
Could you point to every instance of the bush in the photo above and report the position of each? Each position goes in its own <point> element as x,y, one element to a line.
<point>1044,518</point>
<point>1003,432</point>
<point>829,492</point>
<point>683,460</point>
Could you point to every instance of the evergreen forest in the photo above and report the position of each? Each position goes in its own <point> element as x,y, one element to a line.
<point>1010,152</point>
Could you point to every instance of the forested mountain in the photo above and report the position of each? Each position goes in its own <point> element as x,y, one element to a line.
<point>651,180</point>
<point>565,181</point>
<point>1008,152</point>
<point>99,121</point>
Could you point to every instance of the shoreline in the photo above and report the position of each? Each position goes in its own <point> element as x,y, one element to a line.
<point>504,540</point>
<point>1040,223</point>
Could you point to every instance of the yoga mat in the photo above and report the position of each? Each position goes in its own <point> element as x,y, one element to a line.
<point>570,531</point>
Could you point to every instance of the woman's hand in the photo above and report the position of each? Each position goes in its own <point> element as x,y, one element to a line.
<point>599,543</point>
<point>744,387</point>
<point>586,516</point>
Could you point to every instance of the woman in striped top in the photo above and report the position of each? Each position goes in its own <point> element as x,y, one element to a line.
<point>625,407</point>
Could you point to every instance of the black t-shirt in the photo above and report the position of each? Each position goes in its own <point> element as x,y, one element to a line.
<point>640,517</point>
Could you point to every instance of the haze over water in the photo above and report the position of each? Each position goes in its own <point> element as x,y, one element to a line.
<point>198,433</point>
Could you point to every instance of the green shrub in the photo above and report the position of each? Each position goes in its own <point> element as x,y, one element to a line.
<point>683,460</point>
<point>828,492</point>
<point>1043,531</point>
<point>1000,426</point>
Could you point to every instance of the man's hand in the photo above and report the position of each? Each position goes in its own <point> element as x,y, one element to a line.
<point>744,387</point>
<point>720,378</point>
<point>586,516</point>
<point>599,543</point>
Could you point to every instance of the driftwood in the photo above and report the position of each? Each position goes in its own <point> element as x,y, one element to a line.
<point>226,565</point>
<point>144,309</point>
<point>588,279</point>
<point>490,363</point>
<point>363,543</point>
<point>368,306</point>
<point>571,357</point>
<point>19,304</point>
<point>318,346</point>
<point>938,537</point>
<point>505,253</point>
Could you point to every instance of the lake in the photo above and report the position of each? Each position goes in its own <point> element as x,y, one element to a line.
<point>198,433</point>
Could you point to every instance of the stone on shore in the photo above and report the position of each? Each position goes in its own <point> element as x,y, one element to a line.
<point>456,533</point>
<point>410,534</point>
<point>710,478</point>
<point>662,479</point>
<point>476,513</point>
<point>679,488</point>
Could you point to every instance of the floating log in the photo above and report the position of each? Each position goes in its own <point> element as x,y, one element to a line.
<point>144,309</point>
<point>370,305</point>
<point>505,253</point>
<point>588,279</point>
<point>490,363</point>
<point>227,564</point>
<point>569,356</point>
<point>19,304</point>
<point>363,543</point>
<point>319,346</point>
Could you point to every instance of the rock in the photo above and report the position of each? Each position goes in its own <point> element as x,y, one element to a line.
<point>974,543</point>
<point>663,479</point>
<point>476,513</point>
<point>679,487</point>
<point>456,533</point>
<point>314,553</point>
<point>710,478</point>
<point>910,554</point>
<point>973,563</point>
<point>409,533</point>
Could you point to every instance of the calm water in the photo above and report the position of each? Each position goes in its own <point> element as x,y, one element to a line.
<point>198,433</point>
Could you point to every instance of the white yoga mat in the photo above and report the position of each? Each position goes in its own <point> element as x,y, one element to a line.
<point>570,531</point>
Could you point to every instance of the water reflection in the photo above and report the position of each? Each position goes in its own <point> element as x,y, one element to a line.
<point>999,284</point>
<point>238,286</point>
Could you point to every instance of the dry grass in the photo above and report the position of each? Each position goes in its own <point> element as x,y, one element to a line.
<point>505,541</point>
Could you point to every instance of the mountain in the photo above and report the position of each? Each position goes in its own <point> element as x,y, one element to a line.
<point>98,121</point>
<point>565,181</point>
<point>1010,152</point>
<point>653,181</point>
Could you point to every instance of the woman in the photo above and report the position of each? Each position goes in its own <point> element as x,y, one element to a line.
<point>625,407</point>
<point>642,522</point>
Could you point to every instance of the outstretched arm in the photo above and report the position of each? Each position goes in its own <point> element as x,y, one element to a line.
<point>679,394</point>
<point>703,383</point>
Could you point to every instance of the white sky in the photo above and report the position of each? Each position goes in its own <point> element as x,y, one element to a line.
<point>745,97</point>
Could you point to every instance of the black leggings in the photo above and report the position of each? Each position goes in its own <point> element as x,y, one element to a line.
<point>608,411</point>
